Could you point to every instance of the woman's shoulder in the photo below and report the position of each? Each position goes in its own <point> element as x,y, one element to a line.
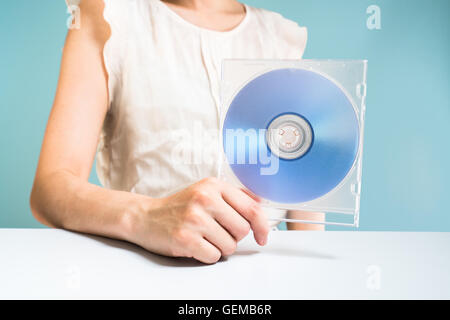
<point>287,33</point>
<point>276,19</point>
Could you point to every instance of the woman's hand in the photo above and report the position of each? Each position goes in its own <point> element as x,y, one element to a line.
<point>204,221</point>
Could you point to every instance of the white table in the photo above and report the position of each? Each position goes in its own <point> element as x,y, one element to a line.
<point>44,263</point>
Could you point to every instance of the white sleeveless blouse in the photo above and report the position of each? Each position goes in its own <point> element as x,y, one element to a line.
<point>160,132</point>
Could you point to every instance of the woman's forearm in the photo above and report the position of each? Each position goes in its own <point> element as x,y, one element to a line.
<point>63,200</point>
<point>204,221</point>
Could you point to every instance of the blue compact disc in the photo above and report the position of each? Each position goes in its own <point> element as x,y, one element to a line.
<point>291,135</point>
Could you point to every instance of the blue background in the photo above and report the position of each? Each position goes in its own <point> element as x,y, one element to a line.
<point>407,149</point>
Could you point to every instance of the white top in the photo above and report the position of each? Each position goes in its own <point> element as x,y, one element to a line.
<point>161,131</point>
<point>44,263</point>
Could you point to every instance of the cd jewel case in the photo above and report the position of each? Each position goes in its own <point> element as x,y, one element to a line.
<point>292,133</point>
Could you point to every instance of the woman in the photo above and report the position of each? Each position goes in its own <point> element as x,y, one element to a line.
<point>136,79</point>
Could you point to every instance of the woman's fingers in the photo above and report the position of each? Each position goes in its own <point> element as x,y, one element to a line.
<point>251,195</point>
<point>249,209</point>
<point>231,220</point>
<point>205,252</point>
<point>214,218</point>
<point>219,237</point>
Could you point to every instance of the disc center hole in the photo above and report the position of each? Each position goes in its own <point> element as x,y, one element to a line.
<point>289,137</point>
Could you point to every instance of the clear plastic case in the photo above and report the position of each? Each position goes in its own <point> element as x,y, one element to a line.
<point>350,77</point>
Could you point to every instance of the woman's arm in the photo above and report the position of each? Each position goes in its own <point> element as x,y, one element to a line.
<point>305,215</point>
<point>203,221</point>
<point>61,195</point>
